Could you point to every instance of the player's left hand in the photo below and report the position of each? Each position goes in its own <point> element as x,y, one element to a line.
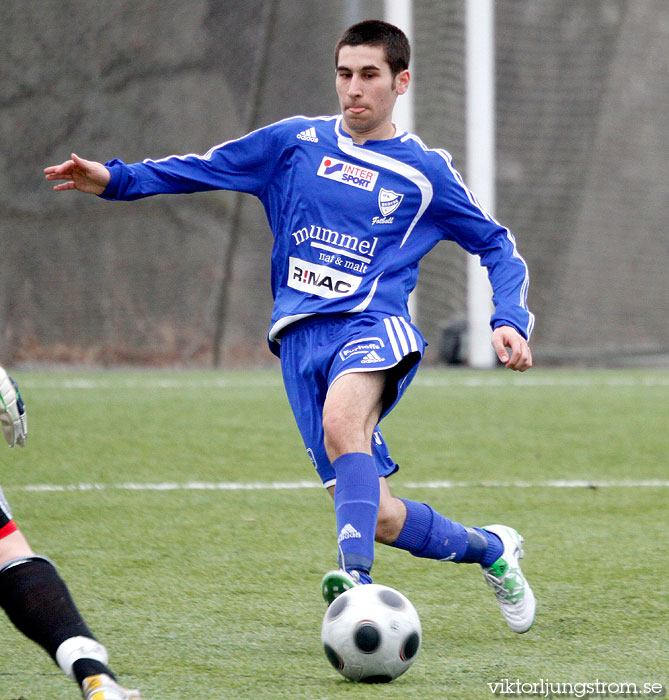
<point>505,338</point>
<point>79,174</point>
<point>12,411</point>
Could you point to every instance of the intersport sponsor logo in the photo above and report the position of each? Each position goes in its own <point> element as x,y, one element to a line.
<point>347,173</point>
<point>320,280</point>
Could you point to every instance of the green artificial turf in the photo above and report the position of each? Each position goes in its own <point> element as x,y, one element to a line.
<point>186,518</point>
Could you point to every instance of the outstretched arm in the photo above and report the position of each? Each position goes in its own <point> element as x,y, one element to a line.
<point>520,358</point>
<point>84,175</point>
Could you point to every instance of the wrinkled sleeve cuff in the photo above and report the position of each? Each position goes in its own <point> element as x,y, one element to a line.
<point>116,169</point>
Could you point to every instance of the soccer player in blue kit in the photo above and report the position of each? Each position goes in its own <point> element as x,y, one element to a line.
<point>354,203</point>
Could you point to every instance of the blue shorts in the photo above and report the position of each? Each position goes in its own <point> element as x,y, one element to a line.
<point>317,351</point>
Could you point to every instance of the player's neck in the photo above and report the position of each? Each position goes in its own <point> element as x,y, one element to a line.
<point>383,132</point>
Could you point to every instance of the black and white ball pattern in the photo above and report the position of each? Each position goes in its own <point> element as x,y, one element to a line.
<point>371,634</point>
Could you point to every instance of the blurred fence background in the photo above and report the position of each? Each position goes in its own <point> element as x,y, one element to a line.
<point>582,146</point>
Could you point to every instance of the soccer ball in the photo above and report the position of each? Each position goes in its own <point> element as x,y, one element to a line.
<point>371,633</point>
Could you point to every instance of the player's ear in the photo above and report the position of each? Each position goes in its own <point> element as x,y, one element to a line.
<point>402,80</point>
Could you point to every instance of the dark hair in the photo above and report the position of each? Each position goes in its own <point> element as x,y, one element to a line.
<point>374,32</point>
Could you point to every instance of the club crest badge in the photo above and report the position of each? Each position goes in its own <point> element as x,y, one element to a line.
<point>389,201</point>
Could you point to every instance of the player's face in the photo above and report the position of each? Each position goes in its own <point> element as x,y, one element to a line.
<point>367,92</point>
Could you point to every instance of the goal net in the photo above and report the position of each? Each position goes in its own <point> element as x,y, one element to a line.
<point>581,152</point>
<point>581,149</point>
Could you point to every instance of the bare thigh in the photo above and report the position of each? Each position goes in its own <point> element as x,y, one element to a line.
<point>14,546</point>
<point>351,412</point>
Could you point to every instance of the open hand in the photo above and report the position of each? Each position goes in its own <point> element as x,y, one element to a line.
<point>79,174</point>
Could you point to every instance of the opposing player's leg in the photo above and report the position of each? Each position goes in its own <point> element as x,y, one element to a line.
<point>39,604</point>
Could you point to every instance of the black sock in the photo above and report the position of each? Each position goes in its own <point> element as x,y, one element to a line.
<point>83,668</point>
<point>39,604</point>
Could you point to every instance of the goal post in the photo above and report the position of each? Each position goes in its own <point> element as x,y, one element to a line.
<point>480,149</point>
<point>480,164</point>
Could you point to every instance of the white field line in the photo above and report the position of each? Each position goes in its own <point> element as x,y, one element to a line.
<point>660,379</point>
<point>301,485</point>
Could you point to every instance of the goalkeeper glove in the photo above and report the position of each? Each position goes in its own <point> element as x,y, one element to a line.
<point>12,411</point>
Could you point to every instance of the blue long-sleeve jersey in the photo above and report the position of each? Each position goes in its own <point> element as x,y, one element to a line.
<point>350,222</point>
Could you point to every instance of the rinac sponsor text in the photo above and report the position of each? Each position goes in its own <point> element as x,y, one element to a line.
<point>323,281</point>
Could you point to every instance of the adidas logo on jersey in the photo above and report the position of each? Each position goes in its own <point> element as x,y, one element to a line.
<point>371,357</point>
<point>348,532</point>
<point>308,135</point>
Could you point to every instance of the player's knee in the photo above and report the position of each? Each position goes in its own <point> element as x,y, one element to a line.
<point>339,435</point>
<point>330,433</point>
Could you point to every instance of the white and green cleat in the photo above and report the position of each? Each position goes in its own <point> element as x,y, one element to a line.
<point>336,582</point>
<point>514,595</point>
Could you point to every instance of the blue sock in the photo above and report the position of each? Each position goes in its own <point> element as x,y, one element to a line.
<point>430,535</point>
<point>494,550</point>
<point>356,498</point>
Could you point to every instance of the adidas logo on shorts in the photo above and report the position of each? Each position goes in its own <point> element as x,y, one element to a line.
<point>371,357</point>
<point>308,135</point>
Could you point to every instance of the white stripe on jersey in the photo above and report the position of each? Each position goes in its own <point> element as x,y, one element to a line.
<point>427,193</point>
<point>473,200</point>
<point>422,183</point>
<point>208,155</point>
<point>365,302</point>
